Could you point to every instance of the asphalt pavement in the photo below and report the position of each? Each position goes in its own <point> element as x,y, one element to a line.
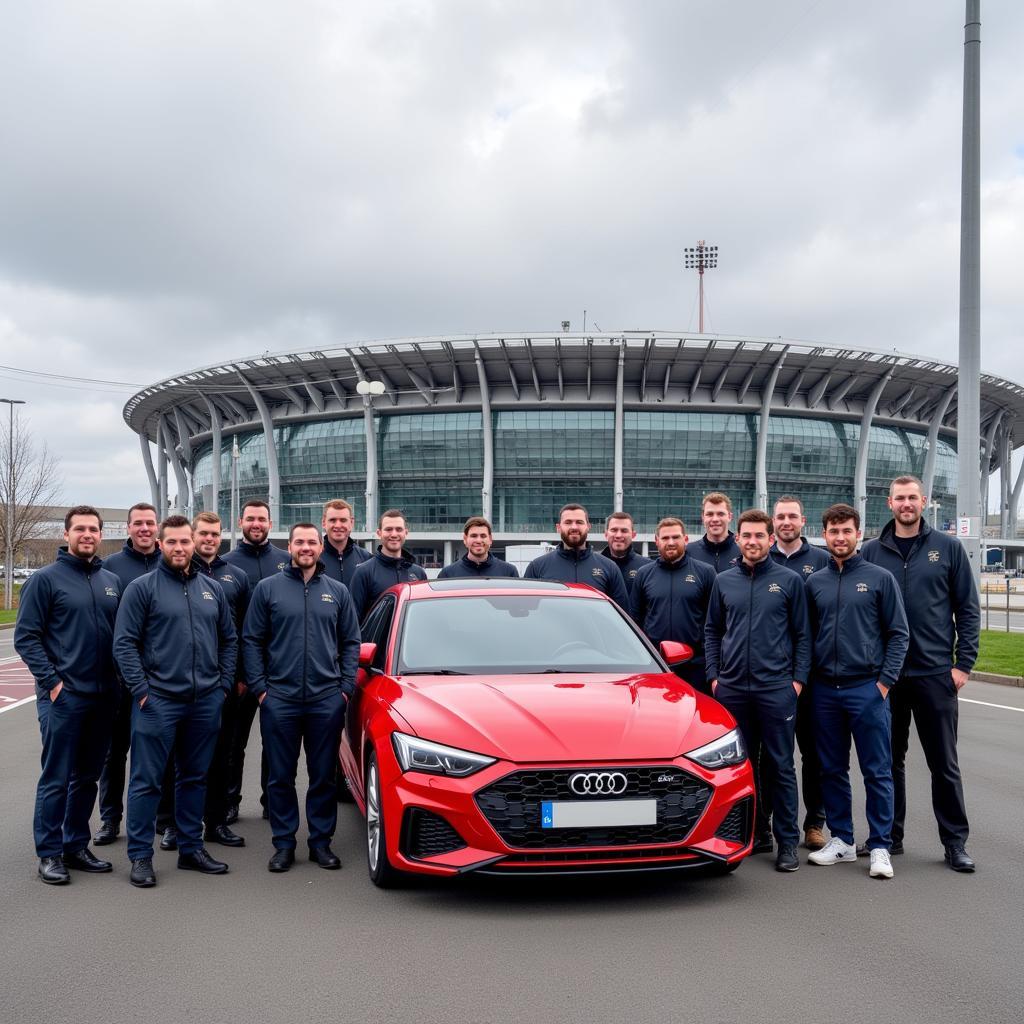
<point>823,945</point>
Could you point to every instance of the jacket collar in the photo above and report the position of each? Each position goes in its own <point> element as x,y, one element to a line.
<point>402,562</point>
<point>620,560</point>
<point>254,550</point>
<point>719,546</point>
<point>132,551</point>
<point>888,534</point>
<point>574,554</point>
<point>296,573</point>
<point>851,563</point>
<point>346,552</point>
<point>81,564</point>
<point>758,568</point>
<point>478,566</point>
<point>802,550</point>
<point>181,575</point>
<point>679,563</point>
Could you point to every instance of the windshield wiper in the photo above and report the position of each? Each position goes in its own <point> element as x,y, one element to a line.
<point>433,672</point>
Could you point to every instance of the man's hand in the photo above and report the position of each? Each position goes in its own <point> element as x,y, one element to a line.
<point>960,678</point>
<point>142,703</point>
<point>883,689</point>
<point>240,689</point>
<point>714,685</point>
<point>55,692</point>
<point>262,697</point>
<point>799,687</point>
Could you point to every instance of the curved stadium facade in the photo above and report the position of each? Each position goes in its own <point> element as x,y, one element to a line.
<point>516,425</point>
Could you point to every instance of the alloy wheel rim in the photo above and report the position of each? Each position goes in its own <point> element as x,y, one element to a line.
<point>372,818</point>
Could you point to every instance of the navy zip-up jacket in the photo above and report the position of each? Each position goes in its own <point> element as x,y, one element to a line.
<point>257,560</point>
<point>757,631</point>
<point>489,568</point>
<point>580,565</point>
<point>65,628</point>
<point>943,610</point>
<point>175,635</point>
<point>129,564</point>
<point>301,640</point>
<point>378,573</point>
<point>720,556</point>
<point>629,565</point>
<point>669,601</point>
<point>341,567</point>
<point>859,627</point>
<point>804,560</point>
<point>236,586</point>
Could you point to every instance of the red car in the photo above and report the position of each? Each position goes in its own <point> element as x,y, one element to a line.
<point>518,726</point>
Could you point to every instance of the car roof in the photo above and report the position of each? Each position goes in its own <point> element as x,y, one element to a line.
<point>503,585</point>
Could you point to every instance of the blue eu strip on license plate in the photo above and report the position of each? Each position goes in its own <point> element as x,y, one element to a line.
<point>547,819</point>
<point>597,813</point>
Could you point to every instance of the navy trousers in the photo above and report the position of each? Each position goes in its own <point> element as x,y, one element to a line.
<point>767,719</point>
<point>113,774</point>
<point>285,725</point>
<point>217,782</point>
<point>190,730</point>
<point>932,701</point>
<point>810,763</point>
<point>247,708</point>
<point>860,712</point>
<point>75,731</point>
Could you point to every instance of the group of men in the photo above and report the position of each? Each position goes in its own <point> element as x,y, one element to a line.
<point>169,651</point>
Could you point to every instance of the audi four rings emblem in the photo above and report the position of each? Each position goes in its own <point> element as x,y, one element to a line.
<point>598,783</point>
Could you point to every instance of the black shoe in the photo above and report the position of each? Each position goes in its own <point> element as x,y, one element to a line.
<point>763,844</point>
<point>106,833</point>
<point>223,835</point>
<point>957,859</point>
<point>266,814</point>
<point>895,849</point>
<point>325,857</point>
<point>281,861</point>
<point>170,838</point>
<point>787,860</point>
<point>84,860</point>
<point>202,862</point>
<point>232,816</point>
<point>142,875</point>
<point>53,871</point>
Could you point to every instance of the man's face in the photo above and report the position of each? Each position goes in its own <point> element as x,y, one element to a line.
<point>478,542</point>
<point>619,534</point>
<point>142,529</point>
<point>789,521</point>
<point>255,524</point>
<point>392,533</point>
<point>83,536</point>
<point>178,546</point>
<point>907,504</point>
<point>716,517</point>
<point>305,546</point>
<point>841,539</point>
<point>337,523</point>
<point>573,527</point>
<point>671,543</point>
<point>207,538</point>
<point>754,539</point>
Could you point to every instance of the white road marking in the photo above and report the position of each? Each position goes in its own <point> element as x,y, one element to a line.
<point>985,703</point>
<point>17,704</point>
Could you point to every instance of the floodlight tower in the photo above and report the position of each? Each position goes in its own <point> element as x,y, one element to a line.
<point>703,257</point>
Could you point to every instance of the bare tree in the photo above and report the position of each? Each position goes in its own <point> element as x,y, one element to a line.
<point>30,481</point>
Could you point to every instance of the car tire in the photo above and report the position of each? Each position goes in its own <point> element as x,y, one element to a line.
<point>382,874</point>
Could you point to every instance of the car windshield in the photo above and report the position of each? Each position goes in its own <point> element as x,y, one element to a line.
<point>513,634</point>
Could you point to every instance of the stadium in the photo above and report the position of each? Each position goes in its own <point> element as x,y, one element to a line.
<point>514,425</point>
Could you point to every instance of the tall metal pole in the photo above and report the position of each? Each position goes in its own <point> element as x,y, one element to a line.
<point>9,553</point>
<point>969,511</point>
<point>703,257</point>
<point>235,456</point>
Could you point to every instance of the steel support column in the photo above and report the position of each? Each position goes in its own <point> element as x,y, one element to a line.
<point>620,420</point>
<point>273,478</point>
<point>1018,487</point>
<point>147,461</point>
<point>985,462</point>
<point>161,469</point>
<point>181,498</point>
<point>938,416</point>
<point>860,475</point>
<point>761,465</point>
<point>487,489</point>
<point>370,427</point>
<point>215,430</point>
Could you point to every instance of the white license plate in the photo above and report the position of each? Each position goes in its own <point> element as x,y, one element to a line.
<point>597,813</point>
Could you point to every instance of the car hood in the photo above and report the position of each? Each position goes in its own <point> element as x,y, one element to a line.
<point>561,718</point>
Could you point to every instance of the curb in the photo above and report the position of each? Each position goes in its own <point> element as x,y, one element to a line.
<point>992,677</point>
<point>6,625</point>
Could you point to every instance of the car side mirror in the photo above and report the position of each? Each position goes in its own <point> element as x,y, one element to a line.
<point>367,652</point>
<point>673,652</point>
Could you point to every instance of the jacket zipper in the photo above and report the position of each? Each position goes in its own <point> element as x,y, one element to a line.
<point>750,625</point>
<point>305,635</point>
<point>192,637</point>
<point>835,636</point>
<point>95,616</point>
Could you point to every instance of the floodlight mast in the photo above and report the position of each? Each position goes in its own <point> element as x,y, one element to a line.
<point>702,257</point>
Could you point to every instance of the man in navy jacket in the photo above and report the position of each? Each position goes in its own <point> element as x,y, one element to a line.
<point>670,595</point>
<point>620,534</point>
<point>860,641</point>
<point>301,650</point>
<point>758,652</point>
<point>943,611</point>
<point>342,555</point>
<point>176,646</point>
<point>390,565</point>
<point>574,561</point>
<point>478,562</point>
<point>718,546</point>
<point>139,555</point>
<point>64,634</point>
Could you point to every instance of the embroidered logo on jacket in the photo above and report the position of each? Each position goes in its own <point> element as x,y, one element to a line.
<point>110,591</point>
<point>207,596</point>
<point>599,573</point>
<point>862,588</point>
<point>774,588</point>
<point>327,598</point>
<point>808,569</point>
<point>690,578</point>
<point>933,556</point>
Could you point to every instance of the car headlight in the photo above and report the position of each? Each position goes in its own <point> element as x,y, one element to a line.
<point>726,750</point>
<point>416,755</point>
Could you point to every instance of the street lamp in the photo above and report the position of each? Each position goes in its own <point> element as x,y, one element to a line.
<point>9,554</point>
<point>235,455</point>
<point>935,506</point>
<point>703,257</point>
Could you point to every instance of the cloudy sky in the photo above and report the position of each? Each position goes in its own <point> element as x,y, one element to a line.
<point>189,181</point>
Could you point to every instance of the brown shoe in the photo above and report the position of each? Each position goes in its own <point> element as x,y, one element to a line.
<point>814,838</point>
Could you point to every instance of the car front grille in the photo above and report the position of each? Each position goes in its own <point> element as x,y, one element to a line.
<point>513,807</point>
<point>425,834</point>
<point>735,827</point>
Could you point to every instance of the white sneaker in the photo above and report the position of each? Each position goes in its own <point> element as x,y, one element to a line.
<point>835,851</point>
<point>881,865</point>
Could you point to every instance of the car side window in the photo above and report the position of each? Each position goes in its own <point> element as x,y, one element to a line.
<point>378,627</point>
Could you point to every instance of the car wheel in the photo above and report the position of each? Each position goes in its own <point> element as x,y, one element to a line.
<point>382,874</point>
